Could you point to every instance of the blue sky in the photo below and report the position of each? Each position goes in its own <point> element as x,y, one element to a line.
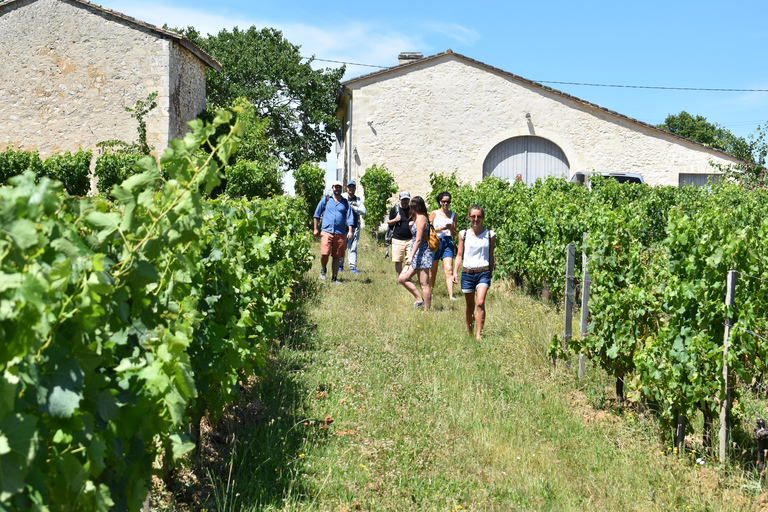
<point>701,44</point>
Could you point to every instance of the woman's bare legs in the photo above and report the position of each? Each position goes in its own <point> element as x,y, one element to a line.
<point>426,290</point>
<point>405,280</point>
<point>470,312</point>
<point>480,315</point>
<point>448,267</point>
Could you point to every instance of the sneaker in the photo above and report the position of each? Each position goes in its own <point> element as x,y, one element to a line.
<point>454,298</point>
<point>322,274</point>
<point>354,270</point>
<point>418,304</point>
<point>341,268</point>
<point>336,280</point>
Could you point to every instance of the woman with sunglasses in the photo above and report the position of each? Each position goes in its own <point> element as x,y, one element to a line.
<point>419,259</point>
<point>444,221</point>
<point>475,253</point>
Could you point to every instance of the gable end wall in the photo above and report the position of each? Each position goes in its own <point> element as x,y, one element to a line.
<point>67,72</point>
<point>446,115</point>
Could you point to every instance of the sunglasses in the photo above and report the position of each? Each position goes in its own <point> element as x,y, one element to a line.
<point>445,202</point>
<point>476,217</point>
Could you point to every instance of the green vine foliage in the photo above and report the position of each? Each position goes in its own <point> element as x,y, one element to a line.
<point>251,179</point>
<point>378,185</point>
<point>112,168</point>
<point>139,112</point>
<point>310,184</point>
<point>122,322</point>
<point>72,170</point>
<point>14,162</point>
<point>658,259</point>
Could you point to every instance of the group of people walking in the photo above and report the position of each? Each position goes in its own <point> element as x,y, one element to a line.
<point>410,223</point>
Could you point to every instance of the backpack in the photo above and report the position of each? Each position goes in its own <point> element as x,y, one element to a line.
<point>391,230</point>
<point>433,242</point>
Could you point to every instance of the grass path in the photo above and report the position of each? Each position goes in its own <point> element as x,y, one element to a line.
<point>371,405</point>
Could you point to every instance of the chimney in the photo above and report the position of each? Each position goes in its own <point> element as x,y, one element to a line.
<point>408,57</point>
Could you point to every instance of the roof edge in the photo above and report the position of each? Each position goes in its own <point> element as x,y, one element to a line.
<point>183,41</point>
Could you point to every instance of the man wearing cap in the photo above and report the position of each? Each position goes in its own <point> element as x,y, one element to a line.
<point>337,221</point>
<point>401,236</point>
<point>358,210</point>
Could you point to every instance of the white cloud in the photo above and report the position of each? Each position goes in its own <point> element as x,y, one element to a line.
<point>463,35</point>
<point>358,42</point>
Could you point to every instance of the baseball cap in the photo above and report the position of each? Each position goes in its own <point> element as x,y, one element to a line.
<point>337,182</point>
<point>351,183</point>
<point>405,195</point>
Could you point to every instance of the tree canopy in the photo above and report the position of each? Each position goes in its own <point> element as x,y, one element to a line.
<point>710,134</point>
<point>262,66</point>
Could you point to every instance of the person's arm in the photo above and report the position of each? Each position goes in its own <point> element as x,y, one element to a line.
<point>393,220</point>
<point>350,221</point>
<point>458,260</point>
<point>452,225</point>
<point>360,208</point>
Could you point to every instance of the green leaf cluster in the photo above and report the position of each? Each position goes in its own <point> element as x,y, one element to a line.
<point>72,170</point>
<point>309,185</point>
<point>123,322</point>
<point>261,66</point>
<point>378,185</point>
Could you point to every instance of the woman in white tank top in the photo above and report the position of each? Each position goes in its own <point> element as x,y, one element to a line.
<point>475,256</point>
<point>444,221</point>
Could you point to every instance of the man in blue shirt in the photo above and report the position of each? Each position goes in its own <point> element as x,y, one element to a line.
<point>338,220</point>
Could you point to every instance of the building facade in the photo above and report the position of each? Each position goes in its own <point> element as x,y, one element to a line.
<point>68,69</point>
<point>451,114</point>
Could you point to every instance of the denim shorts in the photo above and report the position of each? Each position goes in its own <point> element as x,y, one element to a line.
<point>447,249</point>
<point>471,282</point>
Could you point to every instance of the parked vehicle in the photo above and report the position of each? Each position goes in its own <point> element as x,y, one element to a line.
<point>621,177</point>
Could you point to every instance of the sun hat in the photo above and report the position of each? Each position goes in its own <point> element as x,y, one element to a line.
<point>337,182</point>
<point>405,195</point>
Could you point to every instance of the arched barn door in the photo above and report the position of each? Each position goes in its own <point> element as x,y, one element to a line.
<point>527,157</point>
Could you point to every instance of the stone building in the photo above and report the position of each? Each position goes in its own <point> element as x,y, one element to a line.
<point>449,113</point>
<point>68,69</point>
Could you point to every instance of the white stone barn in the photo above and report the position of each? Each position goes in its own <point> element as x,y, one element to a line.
<point>68,69</point>
<point>449,113</point>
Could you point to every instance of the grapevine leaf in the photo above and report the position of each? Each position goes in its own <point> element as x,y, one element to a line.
<point>62,403</point>
<point>23,233</point>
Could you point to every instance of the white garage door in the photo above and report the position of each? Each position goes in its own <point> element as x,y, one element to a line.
<point>527,157</point>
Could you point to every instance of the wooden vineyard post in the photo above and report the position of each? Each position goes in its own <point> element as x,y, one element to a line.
<point>725,404</point>
<point>680,426</point>
<point>585,282</point>
<point>569,265</point>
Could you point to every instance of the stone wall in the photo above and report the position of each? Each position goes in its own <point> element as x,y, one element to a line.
<point>447,114</point>
<point>187,90</point>
<point>68,70</point>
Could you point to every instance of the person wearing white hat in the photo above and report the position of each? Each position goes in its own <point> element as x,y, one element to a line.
<point>337,221</point>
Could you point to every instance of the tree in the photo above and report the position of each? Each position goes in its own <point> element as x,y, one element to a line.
<point>262,66</point>
<point>711,135</point>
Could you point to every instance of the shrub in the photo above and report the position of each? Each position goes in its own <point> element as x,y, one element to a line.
<point>71,170</point>
<point>378,186</point>
<point>112,168</point>
<point>13,163</point>
<point>252,179</point>
<point>310,185</point>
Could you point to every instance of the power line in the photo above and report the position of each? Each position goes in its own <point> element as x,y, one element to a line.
<point>651,87</point>
<point>585,84</point>
<point>349,63</point>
